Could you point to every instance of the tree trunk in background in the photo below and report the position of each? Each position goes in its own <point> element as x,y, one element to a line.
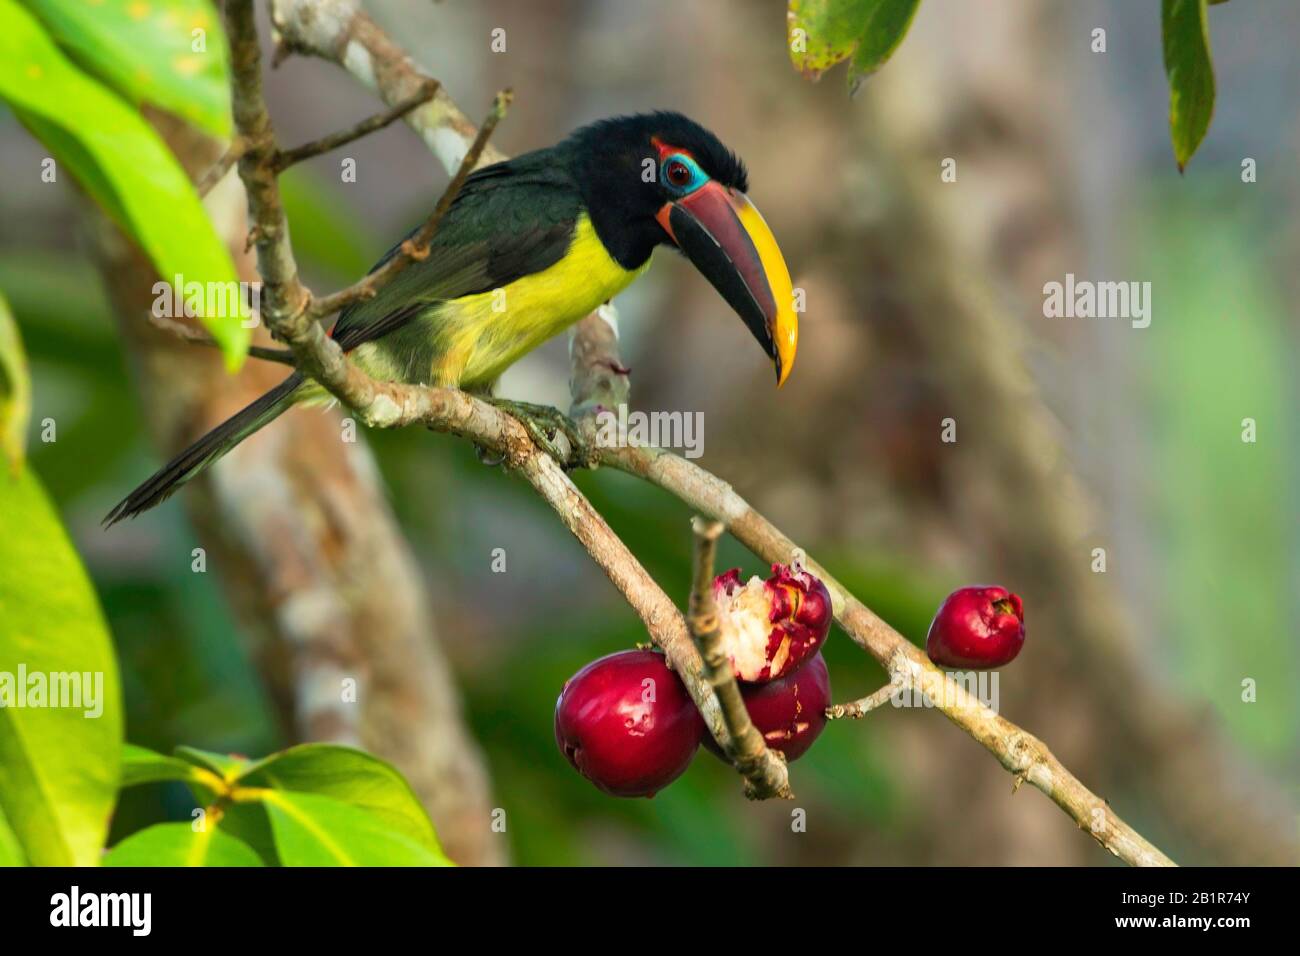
<point>317,570</point>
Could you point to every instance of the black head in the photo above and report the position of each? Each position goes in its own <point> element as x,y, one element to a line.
<point>661,179</point>
<point>625,170</point>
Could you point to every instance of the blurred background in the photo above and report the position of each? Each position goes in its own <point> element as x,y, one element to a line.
<point>924,302</point>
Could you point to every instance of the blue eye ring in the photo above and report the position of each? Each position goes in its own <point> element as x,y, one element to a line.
<point>681,175</point>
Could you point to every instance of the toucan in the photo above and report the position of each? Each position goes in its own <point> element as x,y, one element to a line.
<point>528,247</point>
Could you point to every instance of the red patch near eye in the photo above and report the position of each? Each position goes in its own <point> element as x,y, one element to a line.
<point>666,149</point>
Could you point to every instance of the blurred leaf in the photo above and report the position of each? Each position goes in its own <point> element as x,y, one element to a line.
<point>869,31</point>
<point>1223,507</point>
<point>1186,35</point>
<point>140,765</point>
<point>11,854</point>
<point>59,767</point>
<point>120,160</point>
<point>311,830</point>
<point>351,776</point>
<point>146,52</point>
<point>177,844</point>
<point>15,390</point>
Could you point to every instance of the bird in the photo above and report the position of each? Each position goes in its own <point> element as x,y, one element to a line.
<point>528,247</point>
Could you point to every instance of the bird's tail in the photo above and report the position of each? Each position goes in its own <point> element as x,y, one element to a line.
<point>212,446</point>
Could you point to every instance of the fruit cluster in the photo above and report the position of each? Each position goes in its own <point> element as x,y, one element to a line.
<point>627,724</point>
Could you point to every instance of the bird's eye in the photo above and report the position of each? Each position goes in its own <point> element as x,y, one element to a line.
<point>682,175</point>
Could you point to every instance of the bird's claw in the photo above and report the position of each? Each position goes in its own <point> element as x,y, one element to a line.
<point>485,457</point>
<point>545,424</point>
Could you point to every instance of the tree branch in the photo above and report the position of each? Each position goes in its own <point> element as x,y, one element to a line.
<point>1019,752</point>
<point>765,773</point>
<point>288,157</point>
<point>217,171</point>
<point>898,681</point>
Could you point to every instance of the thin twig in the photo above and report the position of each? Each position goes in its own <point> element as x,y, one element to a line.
<point>860,708</point>
<point>217,171</point>
<point>416,248</point>
<point>288,157</point>
<point>195,336</point>
<point>765,773</point>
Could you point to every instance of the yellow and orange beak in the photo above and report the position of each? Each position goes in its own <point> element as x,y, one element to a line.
<point>724,236</point>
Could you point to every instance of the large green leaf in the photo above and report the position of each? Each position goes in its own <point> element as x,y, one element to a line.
<point>177,844</point>
<point>823,33</point>
<point>1185,31</point>
<point>147,52</point>
<point>121,162</point>
<point>311,830</point>
<point>15,390</point>
<point>11,854</point>
<point>349,775</point>
<point>58,764</point>
<point>140,765</point>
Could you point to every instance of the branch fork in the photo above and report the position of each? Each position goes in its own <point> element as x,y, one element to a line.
<point>764,770</point>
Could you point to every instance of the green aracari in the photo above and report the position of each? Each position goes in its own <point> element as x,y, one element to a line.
<point>528,247</point>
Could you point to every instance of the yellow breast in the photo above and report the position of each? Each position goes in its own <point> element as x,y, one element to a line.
<point>494,329</point>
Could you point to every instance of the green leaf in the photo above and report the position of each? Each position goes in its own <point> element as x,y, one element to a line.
<point>146,51</point>
<point>349,775</point>
<point>121,162</point>
<point>11,854</point>
<point>140,765</point>
<point>15,390</point>
<point>823,33</point>
<point>1186,33</point>
<point>177,844</point>
<point>59,765</point>
<point>226,766</point>
<point>311,830</point>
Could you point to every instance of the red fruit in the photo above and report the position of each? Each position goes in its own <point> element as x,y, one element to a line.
<point>789,712</point>
<point>977,627</point>
<point>626,723</point>
<point>770,628</point>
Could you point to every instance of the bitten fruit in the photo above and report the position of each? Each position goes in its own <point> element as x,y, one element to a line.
<point>977,627</point>
<point>770,628</point>
<point>790,712</point>
<point>626,723</point>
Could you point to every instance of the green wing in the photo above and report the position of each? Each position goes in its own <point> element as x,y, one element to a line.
<point>510,220</point>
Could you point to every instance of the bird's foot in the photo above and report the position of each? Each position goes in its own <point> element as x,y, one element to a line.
<point>486,457</point>
<point>545,425</point>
